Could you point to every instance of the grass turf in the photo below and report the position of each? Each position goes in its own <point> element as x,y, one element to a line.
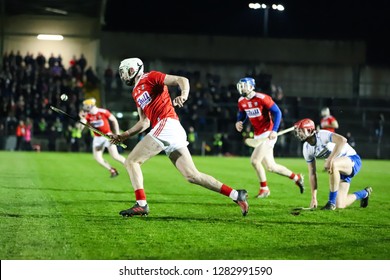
<point>59,206</point>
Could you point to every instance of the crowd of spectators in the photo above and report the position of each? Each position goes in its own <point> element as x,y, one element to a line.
<point>29,85</point>
<point>211,110</point>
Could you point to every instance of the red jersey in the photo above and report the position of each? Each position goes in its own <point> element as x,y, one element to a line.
<point>325,121</point>
<point>99,120</point>
<point>258,111</point>
<point>152,96</point>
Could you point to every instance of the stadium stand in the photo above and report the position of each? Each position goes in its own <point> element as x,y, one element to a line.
<point>28,87</point>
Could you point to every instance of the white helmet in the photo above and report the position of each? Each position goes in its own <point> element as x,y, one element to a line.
<point>129,69</point>
<point>325,112</point>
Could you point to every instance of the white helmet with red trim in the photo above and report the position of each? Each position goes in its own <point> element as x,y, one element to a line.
<point>304,129</point>
<point>129,69</point>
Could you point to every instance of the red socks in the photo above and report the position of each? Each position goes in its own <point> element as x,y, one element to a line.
<point>225,190</point>
<point>140,194</point>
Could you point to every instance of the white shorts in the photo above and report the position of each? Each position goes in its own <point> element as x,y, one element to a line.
<point>265,135</point>
<point>170,135</point>
<point>100,142</point>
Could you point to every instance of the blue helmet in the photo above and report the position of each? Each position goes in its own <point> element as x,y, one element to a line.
<point>246,85</point>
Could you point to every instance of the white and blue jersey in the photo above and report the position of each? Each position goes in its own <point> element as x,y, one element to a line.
<point>323,148</point>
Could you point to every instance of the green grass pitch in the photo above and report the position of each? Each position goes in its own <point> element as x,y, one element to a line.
<point>60,206</point>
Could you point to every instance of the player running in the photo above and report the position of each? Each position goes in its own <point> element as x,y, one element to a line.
<point>155,109</point>
<point>260,108</point>
<point>342,163</point>
<point>100,119</point>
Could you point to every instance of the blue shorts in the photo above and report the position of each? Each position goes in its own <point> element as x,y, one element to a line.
<point>356,165</point>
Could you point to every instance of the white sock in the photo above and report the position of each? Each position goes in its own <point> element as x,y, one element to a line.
<point>233,195</point>
<point>142,202</point>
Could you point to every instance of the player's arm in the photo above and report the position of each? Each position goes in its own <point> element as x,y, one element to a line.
<point>82,119</point>
<point>277,117</point>
<point>184,85</point>
<point>241,119</point>
<point>323,124</point>
<point>340,141</point>
<point>313,183</point>
<point>115,124</point>
<point>142,124</point>
<point>334,124</point>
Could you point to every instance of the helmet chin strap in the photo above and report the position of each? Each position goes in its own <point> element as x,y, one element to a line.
<point>131,81</point>
<point>311,140</point>
<point>250,94</point>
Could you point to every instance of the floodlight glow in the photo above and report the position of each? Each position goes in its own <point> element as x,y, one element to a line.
<point>48,37</point>
<point>119,115</point>
<point>254,6</point>
<point>266,9</point>
<point>278,7</point>
<point>258,6</point>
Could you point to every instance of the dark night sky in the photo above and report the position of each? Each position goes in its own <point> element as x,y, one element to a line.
<point>301,19</point>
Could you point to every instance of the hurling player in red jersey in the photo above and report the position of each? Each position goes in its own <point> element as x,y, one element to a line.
<point>328,122</point>
<point>155,109</point>
<point>265,117</point>
<point>100,119</point>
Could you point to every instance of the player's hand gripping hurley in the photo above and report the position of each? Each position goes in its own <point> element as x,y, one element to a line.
<point>85,124</point>
<point>256,142</point>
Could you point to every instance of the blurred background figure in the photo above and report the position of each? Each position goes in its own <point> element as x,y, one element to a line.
<point>52,138</point>
<point>26,143</point>
<point>108,79</point>
<point>75,137</point>
<point>2,136</point>
<point>328,122</point>
<point>192,137</point>
<point>217,144</point>
<point>20,132</point>
<point>379,133</point>
<point>350,139</point>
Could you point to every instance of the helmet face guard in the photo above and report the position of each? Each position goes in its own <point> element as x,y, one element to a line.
<point>246,86</point>
<point>129,69</point>
<point>304,129</point>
